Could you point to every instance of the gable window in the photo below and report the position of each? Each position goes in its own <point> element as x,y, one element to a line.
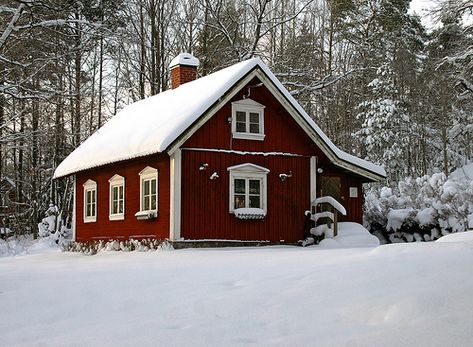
<point>248,120</point>
<point>248,189</point>
<point>117,197</point>
<point>90,201</point>
<point>148,193</point>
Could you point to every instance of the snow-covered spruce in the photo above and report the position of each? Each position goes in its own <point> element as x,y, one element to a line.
<point>93,247</point>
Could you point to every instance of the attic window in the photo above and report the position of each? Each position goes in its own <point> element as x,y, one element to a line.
<point>248,188</point>
<point>248,120</point>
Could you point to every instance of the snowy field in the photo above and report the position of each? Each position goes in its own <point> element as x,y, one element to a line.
<point>416,294</point>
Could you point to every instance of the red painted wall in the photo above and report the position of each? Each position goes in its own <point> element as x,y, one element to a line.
<point>130,227</point>
<point>205,203</point>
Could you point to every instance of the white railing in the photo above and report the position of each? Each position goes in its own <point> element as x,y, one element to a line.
<point>332,215</point>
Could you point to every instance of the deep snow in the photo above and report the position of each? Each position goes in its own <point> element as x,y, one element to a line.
<point>416,294</point>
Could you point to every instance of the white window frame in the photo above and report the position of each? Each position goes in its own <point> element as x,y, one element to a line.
<point>90,185</point>
<point>116,181</point>
<point>249,171</point>
<point>248,106</point>
<point>148,173</point>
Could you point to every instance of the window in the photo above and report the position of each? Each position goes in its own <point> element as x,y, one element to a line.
<point>248,120</point>
<point>90,201</point>
<point>248,187</point>
<point>148,193</point>
<point>117,197</point>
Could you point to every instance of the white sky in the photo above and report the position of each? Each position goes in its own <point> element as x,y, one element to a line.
<point>422,7</point>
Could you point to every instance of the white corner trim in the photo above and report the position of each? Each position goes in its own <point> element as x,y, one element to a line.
<point>313,178</point>
<point>74,205</point>
<point>175,195</point>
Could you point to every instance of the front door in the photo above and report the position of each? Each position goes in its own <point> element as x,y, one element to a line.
<point>330,186</point>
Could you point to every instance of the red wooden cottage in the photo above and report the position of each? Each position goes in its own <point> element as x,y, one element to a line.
<point>230,156</point>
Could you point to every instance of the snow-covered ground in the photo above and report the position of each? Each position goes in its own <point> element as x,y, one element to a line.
<point>412,294</point>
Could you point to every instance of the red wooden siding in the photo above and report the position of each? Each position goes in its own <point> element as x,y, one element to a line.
<point>205,202</point>
<point>205,211</point>
<point>130,227</point>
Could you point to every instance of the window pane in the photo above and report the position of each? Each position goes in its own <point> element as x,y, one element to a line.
<point>93,210</point>
<point>255,201</point>
<point>153,186</point>
<point>114,206</point>
<point>120,205</point>
<point>241,116</point>
<point>115,193</point>
<point>254,187</point>
<point>239,186</point>
<point>146,187</point>
<point>121,192</point>
<point>146,203</point>
<point>254,128</point>
<point>153,202</point>
<point>88,211</point>
<point>254,118</point>
<point>241,127</point>
<point>239,201</point>
<point>93,196</point>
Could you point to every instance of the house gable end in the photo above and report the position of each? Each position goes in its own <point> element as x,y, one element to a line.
<point>257,73</point>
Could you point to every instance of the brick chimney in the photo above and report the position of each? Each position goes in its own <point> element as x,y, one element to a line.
<point>183,69</point>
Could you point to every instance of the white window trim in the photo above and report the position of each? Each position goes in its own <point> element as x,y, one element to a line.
<point>90,185</point>
<point>247,106</point>
<point>116,180</point>
<point>249,171</point>
<point>146,174</point>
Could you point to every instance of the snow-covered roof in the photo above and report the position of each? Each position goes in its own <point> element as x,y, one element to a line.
<point>151,125</point>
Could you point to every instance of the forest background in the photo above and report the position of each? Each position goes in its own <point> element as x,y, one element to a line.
<point>377,81</point>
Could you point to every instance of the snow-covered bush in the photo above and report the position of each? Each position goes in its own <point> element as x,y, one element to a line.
<point>48,227</point>
<point>421,209</point>
<point>93,247</point>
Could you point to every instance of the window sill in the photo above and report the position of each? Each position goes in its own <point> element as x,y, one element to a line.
<point>116,217</point>
<point>143,215</point>
<point>90,220</point>
<point>249,136</point>
<point>249,213</point>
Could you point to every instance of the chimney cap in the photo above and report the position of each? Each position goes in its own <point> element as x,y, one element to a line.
<point>185,59</point>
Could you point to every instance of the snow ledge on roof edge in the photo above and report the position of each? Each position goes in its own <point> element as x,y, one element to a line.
<point>175,126</point>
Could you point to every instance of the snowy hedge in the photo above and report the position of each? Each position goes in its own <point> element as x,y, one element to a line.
<point>93,247</point>
<point>421,209</point>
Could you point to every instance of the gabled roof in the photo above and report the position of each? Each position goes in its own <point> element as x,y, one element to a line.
<point>154,124</point>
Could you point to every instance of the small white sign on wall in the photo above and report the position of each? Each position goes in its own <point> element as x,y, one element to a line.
<point>353,192</point>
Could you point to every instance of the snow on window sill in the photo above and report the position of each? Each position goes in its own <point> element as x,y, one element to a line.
<point>249,213</point>
<point>142,215</point>
<point>249,136</point>
<point>116,217</point>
